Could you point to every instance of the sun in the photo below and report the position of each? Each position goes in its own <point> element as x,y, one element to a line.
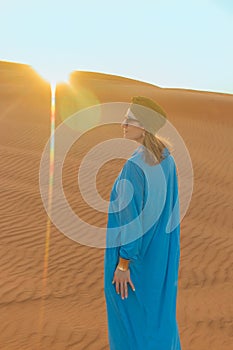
<point>52,76</point>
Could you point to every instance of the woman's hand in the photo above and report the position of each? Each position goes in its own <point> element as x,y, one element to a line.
<point>122,278</point>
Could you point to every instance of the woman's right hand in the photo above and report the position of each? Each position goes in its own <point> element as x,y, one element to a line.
<point>122,278</point>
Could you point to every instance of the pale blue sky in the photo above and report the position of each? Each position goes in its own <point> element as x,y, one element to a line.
<point>184,44</point>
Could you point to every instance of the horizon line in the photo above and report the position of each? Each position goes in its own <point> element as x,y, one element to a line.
<point>188,89</point>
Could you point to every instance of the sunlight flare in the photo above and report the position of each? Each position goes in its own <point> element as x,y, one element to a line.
<point>50,194</point>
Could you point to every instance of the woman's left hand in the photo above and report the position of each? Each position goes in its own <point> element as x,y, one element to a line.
<point>122,278</point>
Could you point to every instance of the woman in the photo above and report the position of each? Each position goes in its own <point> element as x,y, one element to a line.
<point>143,239</point>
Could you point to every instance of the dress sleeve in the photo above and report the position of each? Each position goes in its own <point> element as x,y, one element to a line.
<point>130,189</point>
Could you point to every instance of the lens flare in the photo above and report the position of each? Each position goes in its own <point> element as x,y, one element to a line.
<point>50,194</point>
<point>70,100</point>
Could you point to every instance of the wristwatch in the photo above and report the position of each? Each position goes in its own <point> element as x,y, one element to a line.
<point>123,264</point>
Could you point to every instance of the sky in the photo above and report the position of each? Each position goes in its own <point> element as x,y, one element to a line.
<point>169,43</point>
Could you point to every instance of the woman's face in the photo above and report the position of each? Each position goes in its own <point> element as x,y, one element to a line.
<point>132,129</point>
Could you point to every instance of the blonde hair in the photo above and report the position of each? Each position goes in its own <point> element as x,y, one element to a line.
<point>154,147</point>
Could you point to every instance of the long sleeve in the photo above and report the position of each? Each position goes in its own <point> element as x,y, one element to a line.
<point>130,191</point>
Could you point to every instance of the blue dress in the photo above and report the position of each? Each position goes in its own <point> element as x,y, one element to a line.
<point>144,227</point>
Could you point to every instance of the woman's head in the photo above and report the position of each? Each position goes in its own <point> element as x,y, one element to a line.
<point>132,128</point>
<point>142,121</point>
<point>149,113</point>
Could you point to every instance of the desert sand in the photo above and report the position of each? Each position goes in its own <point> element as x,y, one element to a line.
<point>51,288</point>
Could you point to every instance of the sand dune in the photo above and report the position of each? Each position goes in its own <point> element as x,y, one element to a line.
<point>51,288</point>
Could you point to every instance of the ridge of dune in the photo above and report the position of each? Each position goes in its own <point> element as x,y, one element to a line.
<point>87,75</point>
<point>19,75</point>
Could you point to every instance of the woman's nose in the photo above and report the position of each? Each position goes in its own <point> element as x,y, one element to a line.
<point>124,124</point>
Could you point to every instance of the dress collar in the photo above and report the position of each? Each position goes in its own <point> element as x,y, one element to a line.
<point>141,148</point>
